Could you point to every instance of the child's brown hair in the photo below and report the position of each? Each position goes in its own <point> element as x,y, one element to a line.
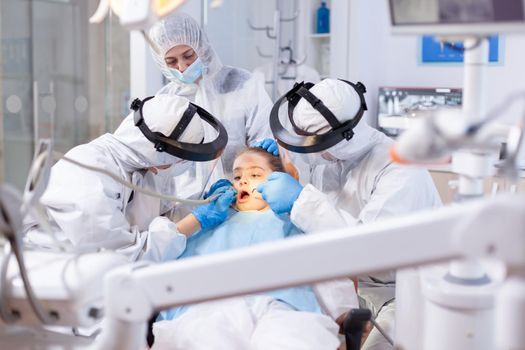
<point>275,162</point>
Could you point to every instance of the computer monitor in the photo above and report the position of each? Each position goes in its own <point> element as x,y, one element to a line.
<point>399,107</point>
<point>457,17</point>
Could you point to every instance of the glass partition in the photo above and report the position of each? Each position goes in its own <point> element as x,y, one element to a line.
<point>60,77</point>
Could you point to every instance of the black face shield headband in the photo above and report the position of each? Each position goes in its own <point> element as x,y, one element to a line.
<point>189,151</point>
<point>305,142</point>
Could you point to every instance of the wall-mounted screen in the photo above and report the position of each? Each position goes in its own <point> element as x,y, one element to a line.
<point>457,16</point>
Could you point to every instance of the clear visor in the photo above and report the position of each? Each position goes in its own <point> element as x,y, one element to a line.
<point>288,163</point>
<point>193,183</point>
<point>317,158</point>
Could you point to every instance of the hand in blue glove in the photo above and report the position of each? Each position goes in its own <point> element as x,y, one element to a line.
<point>269,145</point>
<point>214,213</point>
<point>220,186</point>
<point>280,190</point>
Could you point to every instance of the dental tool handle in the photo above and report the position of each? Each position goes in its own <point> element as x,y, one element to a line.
<point>353,327</point>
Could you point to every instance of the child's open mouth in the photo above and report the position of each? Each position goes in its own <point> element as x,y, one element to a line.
<point>243,196</point>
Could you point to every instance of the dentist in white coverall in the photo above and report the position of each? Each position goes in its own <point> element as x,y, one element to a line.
<point>352,182</point>
<point>91,211</point>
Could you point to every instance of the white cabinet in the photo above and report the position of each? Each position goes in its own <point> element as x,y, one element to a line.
<point>326,53</point>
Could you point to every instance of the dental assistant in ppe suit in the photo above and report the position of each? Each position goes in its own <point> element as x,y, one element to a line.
<point>90,210</point>
<point>235,96</point>
<point>351,181</point>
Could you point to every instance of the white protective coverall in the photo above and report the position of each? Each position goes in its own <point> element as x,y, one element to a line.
<point>234,96</point>
<point>90,210</point>
<point>355,182</point>
<point>250,323</point>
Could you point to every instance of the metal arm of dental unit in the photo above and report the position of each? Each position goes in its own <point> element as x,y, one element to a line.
<point>472,229</point>
<point>472,138</point>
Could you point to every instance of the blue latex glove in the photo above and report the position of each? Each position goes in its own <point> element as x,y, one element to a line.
<point>220,186</point>
<point>269,145</point>
<point>280,191</point>
<point>214,213</point>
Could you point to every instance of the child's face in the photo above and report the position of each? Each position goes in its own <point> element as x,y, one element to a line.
<point>249,170</point>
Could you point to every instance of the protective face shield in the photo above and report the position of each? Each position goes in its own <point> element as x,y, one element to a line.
<point>191,74</point>
<point>172,144</point>
<point>181,167</point>
<point>177,168</point>
<point>318,137</point>
<point>318,158</point>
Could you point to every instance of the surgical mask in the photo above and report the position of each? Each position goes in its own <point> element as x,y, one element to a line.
<point>191,74</point>
<point>350,152</point>
<point>178,167</point>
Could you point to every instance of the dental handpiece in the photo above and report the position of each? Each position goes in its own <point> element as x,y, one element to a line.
<point>39,163</point>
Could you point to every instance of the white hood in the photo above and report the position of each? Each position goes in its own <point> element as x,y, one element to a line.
<point>180,28</point>
<point>343,101</point>
<point>161,114</point>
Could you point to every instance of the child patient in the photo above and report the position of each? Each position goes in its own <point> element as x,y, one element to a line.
<point>288,318</point>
